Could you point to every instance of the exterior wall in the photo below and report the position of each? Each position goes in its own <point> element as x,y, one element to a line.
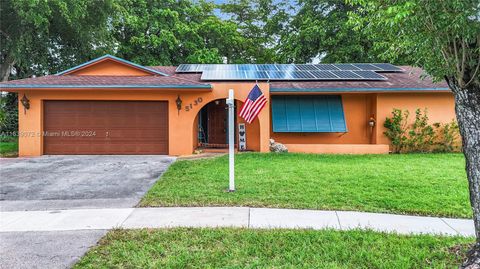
<point>252,129</point>
<point>440,108</point>
<point>360,137</point>
<point>181,124</point>
<point>357,110</point>
<point>109,68</point>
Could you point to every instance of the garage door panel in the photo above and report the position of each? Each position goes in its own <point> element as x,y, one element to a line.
<point>106,127</point>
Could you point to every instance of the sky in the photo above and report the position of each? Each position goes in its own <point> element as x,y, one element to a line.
<point>223,16</point>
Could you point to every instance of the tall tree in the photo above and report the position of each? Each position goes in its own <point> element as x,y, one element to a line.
<point>320,29</point>
<point>171,32</point>
<point>262,23</point>
<point>445,38</point>
<point>46,36</point>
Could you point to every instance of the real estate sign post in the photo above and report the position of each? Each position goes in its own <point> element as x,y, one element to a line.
<point>231,138</point>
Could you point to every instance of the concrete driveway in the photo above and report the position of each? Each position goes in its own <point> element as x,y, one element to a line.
<point>66,182</point>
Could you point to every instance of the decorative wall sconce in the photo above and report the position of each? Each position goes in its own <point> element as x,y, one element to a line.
<point>26,103</point>
<point>179,104</point>
<point>372,122</point>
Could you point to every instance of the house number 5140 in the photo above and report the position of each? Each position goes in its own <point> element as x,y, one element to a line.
<point>196,102</point>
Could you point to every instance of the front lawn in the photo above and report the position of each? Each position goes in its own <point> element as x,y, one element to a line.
<point>241,248</point>
<point>422,184</point>
<point>8,146</point>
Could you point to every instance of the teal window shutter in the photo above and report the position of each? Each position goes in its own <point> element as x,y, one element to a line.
<point>308,114</point>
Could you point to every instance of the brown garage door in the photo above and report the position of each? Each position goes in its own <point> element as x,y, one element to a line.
<point>105,127</point>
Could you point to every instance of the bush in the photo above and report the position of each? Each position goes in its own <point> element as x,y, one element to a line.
<point>448,138</point>
<point>396,129</point>
<point>8,113</point>
<point>420,136</point>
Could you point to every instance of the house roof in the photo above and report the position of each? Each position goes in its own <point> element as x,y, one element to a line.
<point>66,79</point>
<point>70,81</point>
<point>112,58</point>
<point>412,79</point>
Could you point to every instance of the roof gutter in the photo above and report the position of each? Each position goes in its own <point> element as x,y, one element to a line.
<point>160,86</point>
<point>324,90</point>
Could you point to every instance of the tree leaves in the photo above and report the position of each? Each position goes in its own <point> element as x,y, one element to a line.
<point>42,37</point>
<point>443,36</point>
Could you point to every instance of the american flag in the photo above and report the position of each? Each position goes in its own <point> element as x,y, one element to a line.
<point>253,105</point>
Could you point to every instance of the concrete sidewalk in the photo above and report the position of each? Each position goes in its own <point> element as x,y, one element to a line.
<point>167,217</point>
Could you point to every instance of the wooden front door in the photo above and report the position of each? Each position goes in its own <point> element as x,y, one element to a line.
<point>217,123</point>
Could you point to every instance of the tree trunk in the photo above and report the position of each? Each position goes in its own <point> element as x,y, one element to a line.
<point>6,68</point>
<point>467,108</point>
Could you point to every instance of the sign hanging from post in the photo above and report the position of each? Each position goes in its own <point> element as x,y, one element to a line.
<point>242,137</point>
<point>231,140</point>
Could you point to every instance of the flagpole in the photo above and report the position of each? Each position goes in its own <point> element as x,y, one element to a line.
<point>231,137</point>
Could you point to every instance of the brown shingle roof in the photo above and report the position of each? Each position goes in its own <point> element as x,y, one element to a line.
<point>71,81</point>
<point>411,80</point>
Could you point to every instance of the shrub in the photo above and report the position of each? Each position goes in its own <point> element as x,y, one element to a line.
<point>8,113</point>
<point>448,138</point>
<point>420,136</point>
<point>396,129</point>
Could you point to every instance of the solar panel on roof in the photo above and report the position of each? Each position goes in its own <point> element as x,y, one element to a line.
<point>254,75</point>
<point>305,67</point>
<point>247,67</point>
<point>325,67</point>
<point>226,67</point>
<point>289,71</point>
<point>186,68</point>
<point>208,67</point>
<point>346,67</point>
<point>301,75</point>
<point>378,67</point>
<point>278,75</point>
<point>223,75</point>
<point>285,67</point>
<point>347,75</point>
<point>369,75</point>
<point>267,67</point>
<point>323,74</point>
<point>182,68</point>
<point>388,67</point>
<point>367,67</point>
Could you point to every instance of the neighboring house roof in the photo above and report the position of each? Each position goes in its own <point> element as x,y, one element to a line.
<point>69,81</point>
<point>113,58</point>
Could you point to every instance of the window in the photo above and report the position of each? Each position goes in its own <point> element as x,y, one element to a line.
<point>308,113</point>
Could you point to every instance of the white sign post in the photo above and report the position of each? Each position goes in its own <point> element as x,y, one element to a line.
<point>231,140</point>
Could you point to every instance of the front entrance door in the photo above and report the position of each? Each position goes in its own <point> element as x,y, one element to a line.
<point>217,123</point>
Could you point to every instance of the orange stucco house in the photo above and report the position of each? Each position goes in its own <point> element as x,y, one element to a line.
<point>113,106</point>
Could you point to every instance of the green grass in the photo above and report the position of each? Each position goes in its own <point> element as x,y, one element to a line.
<point>8,147</point>
<point>241,248</point>
<point>420,184</point>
